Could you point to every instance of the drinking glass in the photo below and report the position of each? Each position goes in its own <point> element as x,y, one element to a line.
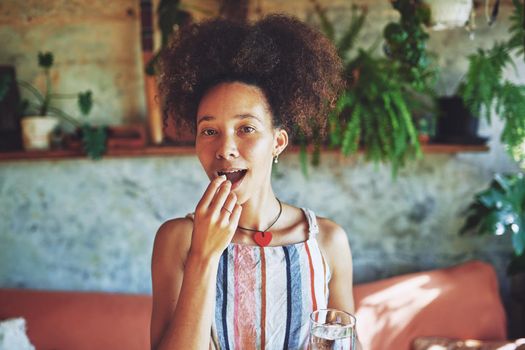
<point>332,329</point>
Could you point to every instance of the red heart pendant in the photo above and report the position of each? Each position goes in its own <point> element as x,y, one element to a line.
<point>262,238</point>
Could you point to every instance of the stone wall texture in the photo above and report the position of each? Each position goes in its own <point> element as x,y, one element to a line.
<point>85,225</point>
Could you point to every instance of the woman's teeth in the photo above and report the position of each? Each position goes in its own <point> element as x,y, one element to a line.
<point>233,176</point>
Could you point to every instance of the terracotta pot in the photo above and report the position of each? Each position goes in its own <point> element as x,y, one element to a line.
<point>36,131</point>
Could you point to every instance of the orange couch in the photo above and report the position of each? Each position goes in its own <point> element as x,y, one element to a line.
<point>457,302</point>
<point>460,302</point>
<point>80,321</point>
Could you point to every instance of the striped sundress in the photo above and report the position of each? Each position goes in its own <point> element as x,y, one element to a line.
<point>265,294</point>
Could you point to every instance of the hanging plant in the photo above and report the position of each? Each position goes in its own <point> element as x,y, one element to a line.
<point>484,90</point>
<point>406,41</point>
<point>517,29</point>
<point>373,113</point>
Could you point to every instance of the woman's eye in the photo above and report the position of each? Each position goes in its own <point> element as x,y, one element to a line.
<point>247,129</point>
<point>208,132</point>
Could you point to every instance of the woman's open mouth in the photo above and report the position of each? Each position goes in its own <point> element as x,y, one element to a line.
<point>235,176</point>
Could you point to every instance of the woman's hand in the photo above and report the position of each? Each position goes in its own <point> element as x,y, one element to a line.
<point>216,219</point>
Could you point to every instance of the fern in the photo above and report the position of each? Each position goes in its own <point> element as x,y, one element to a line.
<point>326,26</point>
<point>380,114</point>
<point>483,79</point>
<point>354,27</point>
<point>511,108</point>
<point>516,30</point>
<point>373,110</point>
<point>350,141</point>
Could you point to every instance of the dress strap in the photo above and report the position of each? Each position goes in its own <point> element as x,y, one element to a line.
<point>313,229</point>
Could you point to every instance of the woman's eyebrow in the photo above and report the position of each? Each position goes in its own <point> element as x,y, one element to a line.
<point>238,116</point>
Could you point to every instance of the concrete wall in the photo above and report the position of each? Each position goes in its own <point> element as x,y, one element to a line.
<point>84,225</point>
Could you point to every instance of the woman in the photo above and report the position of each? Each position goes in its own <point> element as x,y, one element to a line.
<point>246,270</point>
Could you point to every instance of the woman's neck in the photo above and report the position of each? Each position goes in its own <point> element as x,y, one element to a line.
<point>260,211</point>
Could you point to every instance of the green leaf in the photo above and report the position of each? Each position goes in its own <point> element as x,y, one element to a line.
<point>354,27</point>
<point>350,142</point>
<point>326,26</point>
<point>85,102</point>
<point>511,109</point>
<point>493,199</point>
<point>516,30</point>
<point>518,241</point>
<point>45,59</point>
<point>334,131</point>
<point>475,215</point>
<point>94,141</point>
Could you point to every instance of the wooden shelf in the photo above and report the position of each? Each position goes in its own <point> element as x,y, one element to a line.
<point>114,153</point>
<point>190,150</point>
<point>444,148</point>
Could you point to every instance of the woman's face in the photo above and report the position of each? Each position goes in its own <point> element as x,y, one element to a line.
<point>235,136</point>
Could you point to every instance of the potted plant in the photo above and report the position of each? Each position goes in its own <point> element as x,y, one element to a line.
<point>41,117</point>
<point>500,210</point>
<point>375,110</point>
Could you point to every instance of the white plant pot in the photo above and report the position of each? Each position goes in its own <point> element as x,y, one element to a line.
<point>36,131</point>
<point>449,13</point>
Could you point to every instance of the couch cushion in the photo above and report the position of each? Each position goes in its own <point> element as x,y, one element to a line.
<point>458,302</point>
<point>80,320</point>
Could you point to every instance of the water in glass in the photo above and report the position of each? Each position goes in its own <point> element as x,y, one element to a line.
<point>332,330</point>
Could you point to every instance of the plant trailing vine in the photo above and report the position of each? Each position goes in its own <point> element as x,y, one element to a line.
<point>405,42</point>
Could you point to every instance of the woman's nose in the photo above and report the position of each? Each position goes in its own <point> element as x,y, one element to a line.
<point>227,148</point>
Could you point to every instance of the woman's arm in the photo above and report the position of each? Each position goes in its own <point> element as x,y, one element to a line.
<point>184,267</point>
<point>336,249</point>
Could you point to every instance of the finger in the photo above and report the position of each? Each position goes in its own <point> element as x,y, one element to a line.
<point>230,202</point>
<point>220,196</point>
<point>331,317</point>
<point>208,195</point>
<point>227,208</point>
<point>235,216</point>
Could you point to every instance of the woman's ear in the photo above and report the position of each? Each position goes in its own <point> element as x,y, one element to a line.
<point>280,141</point>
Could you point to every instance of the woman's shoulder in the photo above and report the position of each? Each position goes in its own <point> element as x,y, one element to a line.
<point>176,227</point>
<point>331,235</point>
<point>329,229</point>
<point>174,237</point>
